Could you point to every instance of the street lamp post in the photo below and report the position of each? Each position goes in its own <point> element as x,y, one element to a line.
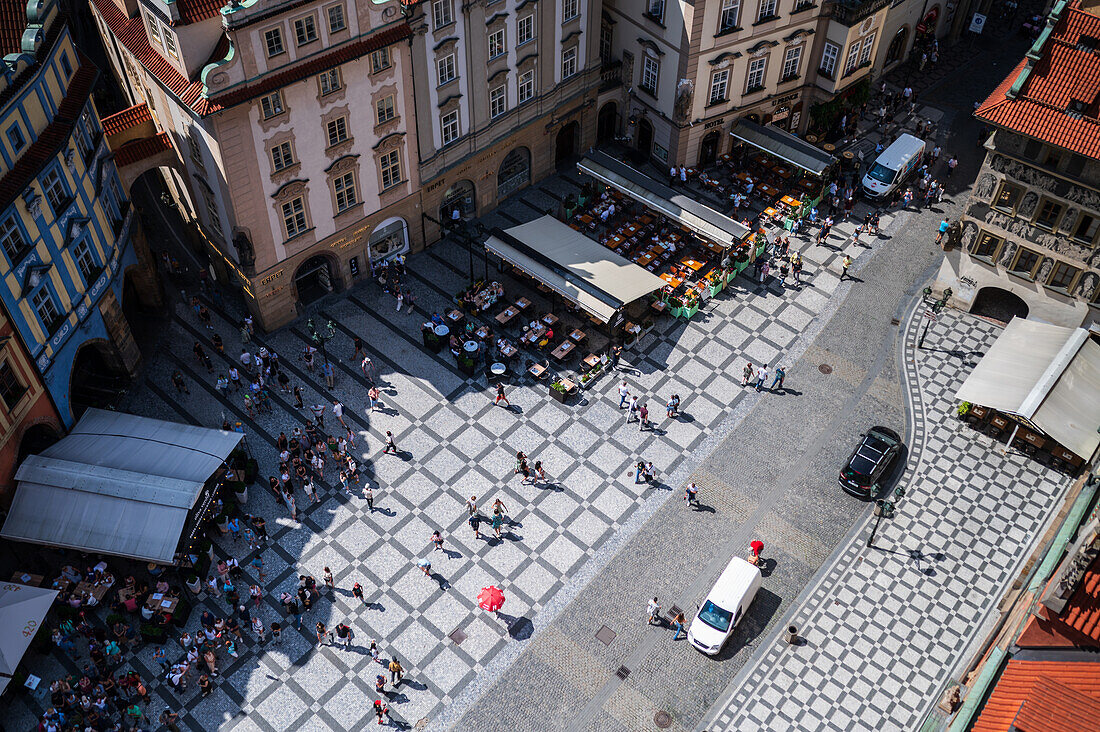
<point>320,337</point>
<point>883,508</point>
<point>937,307</point>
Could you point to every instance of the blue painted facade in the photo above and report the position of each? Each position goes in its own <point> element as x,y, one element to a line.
<point>65,222</point>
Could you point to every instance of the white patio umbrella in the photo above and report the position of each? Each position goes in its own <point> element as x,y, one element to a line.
<point>22,609</point>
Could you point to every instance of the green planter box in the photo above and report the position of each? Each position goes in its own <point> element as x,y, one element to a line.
<point>715,289</point>
<point>690,312</point>
<point>675,311</point>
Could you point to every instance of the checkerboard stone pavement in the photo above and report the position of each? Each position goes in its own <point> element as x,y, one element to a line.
<point>458,444</point>
<point>885,627</point>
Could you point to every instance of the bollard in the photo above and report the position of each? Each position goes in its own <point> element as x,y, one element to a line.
<point>792,634</point>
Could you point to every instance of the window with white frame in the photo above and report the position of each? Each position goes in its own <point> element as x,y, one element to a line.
<point>448,124</point>
<point>868,47</point>
<point>337,131</point>
<point>651,72</point>
<point>568,62</point>
<point>526,86</point>
<point>828,59</point>
<point>390,167</point>
<point>12,239</point>
<point>852,60</point>
<point>344,188</point>
<point>767,10</point>
<point>85,261</point>
<point>441,13</point>
<point>792,59</point>
<point>446,68</point>
<point>154,29</point>
<point>194,146</point>
<point>731,11</point>
<point>305,30</point>
<point>282,156</point>
<point>272,105</point>
<point>656,9</point>
<point>55,191</point>
<point>498,103</point>
<point>336,20</point>
<point>525,29</point>
<point>496,43</point>
<point>294,217</point>
<point>719,86</point>
<point>212,211</point>
<point>379,60</point>
<point>170,44</point>
<point>46,309</point>
<point>384,109</point>
<point>569,10</point>
<point>273,37</point>
<point>754,80</point>
<point>329,81</point>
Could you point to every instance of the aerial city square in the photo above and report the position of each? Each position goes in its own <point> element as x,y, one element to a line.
<point>522,365</point>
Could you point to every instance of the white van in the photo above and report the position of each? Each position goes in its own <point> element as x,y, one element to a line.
<point>893,166</point>
<point>725,606</point>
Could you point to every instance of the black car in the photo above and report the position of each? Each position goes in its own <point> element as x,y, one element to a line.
<point>869,461</point>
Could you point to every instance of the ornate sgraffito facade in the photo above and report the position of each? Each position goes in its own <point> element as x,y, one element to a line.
<point>65,223</point>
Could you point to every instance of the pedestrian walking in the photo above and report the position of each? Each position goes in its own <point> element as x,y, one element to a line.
<point>691,494</point>
<point>673,406</point>
<point>318,414</point>
<point>425,566</point>
<point>437,539</point>
<point>381,710</point>
<point>654,612</point>
<point>322,631</point>
<point>497,522</point>
<point>330,582</point>
<point>397,673</point>
<point>500,396</point>
<point>746,374</point>
<point>780,374</point>
<point>357,593</point>
<point>179,383</point>
<point>330,375</point>
<point>624,393</point>
<point>368,368</point>
<point>246,361</point>
<point>633,414</point>
<point>344,633</point>
<point>391,446</point>
<point>360,350</point>
<point>845,264</point>
<point>369,495</point>
<point>952,163</point>
<point>276,632</point>
<point>678,625</point>
<point>643,417</point>
<point>942,231</point>
<point>338,412</point>
<point>258,628</point>
<point>540,474</point>
<point>298,397</point>
<point>475,524</point>
<point>761,378</point>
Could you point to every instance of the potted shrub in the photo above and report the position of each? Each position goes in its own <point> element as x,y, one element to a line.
<point>558,390</point>
<point>251,470</point>
<point>962,410</point>
<point>194,584</point>
<point>207,546</point>
<point>240,492</point>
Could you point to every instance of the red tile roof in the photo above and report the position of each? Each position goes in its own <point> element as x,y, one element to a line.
<point>315,65</point>
<point>126,119</point>
<point>131,33</point>
<point>136,150</point>
<point>1078,625</point>
<point>1043,696</point>
<point>195,11</point>
<point>13,21</point>
<point>52,139</point>
<point>1067,70</point>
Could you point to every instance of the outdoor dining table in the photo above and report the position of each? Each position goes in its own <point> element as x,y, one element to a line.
<point>563,350</point>
<point>455,315</point>
<point>470,347</point>
<point>536,370</point>
<point>550,319</point>
<point>498,369</point>
<point>532,336</point>
<point>671,279</point>
<point>508,350</point>
<point>643,259</point>
<point>793,203</point>
<point>505,316</point>
<point>577,335</point>
<point>768,191</point>
<point>632,328</point>
<point>482,332</point>
<point>96,591</point>
<point>659,305</point>
<point>782,172</point>
<point>693,264</point>
<point>586,219</point>
<point>26,578</point>
<point>523,303</point>
<point>159,601</point>
<point>591,361</point>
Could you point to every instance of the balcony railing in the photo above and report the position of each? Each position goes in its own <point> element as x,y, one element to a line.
<point>611,74</point>
<point>850,12</point>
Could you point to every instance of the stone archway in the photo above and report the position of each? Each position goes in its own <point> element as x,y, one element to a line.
<point>896,51</point>
<point>999,304</point>
<point>315,278</point>
<point>462,196</point>
<point>708,148</point>
<point>565,146</point>
<point>514,172</point>
<point>36,439</point>
<point>645,139</point>
<point>98,376</point>
<point>607,123</point>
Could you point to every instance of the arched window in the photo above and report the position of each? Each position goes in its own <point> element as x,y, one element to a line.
<point>515,172</point>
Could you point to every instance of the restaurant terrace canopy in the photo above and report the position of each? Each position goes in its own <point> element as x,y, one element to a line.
<point>22,609</point>
<point>703,220</point>
<point>1047,375</point>
<point>576,267</point>
<point>784,146</point>
<point>117,484</point>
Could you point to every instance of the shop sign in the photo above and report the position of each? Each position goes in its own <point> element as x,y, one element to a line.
<point>781,114</point>
<point>794,120</point>
<point>785,99</point>
<point>714,123</point>
<point>977,23</point>
<point>271,278</point>
<point>350,238</point>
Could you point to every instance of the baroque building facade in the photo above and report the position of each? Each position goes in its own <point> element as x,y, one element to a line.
<point>1030,238</point>
<point>71,248</point>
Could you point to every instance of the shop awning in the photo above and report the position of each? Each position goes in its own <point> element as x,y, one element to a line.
<point>701,219</point>
<point>576,267</point>
<point>784,146</point>
<point>22,607</point>
<point>1046,374</point>
<point>117,484</point>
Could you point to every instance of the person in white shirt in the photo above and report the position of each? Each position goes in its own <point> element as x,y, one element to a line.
<point>654,611</point>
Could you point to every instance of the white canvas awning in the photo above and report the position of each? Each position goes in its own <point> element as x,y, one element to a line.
<point>576,267</point>
<point>701,219</point>
<point>1046,374</point>
<point>117,484</point>
<point>22,609</point>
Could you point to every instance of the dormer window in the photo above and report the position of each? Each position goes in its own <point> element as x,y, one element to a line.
<point>170,44</point>
<point>154,30</point>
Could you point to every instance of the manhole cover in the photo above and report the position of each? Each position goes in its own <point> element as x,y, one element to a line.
<point>458,636</point>
<point>825,368</point>
<point>662,719</point>
<point>895,321</point>
<point>674,611</point>
<point>623,672</point>
<point>605,635</point>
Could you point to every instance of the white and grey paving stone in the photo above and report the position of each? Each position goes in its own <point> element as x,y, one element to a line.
<point>885,626</point>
